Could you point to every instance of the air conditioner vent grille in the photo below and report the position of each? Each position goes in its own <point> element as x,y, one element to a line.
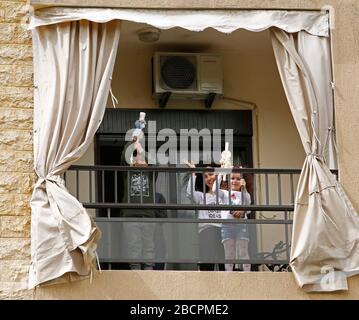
<point>178,72</point>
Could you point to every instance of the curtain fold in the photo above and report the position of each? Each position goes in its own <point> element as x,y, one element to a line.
<point>73,64</point>
<point>325,237</point>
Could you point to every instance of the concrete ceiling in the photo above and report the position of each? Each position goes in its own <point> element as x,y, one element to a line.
<point>178,39</point>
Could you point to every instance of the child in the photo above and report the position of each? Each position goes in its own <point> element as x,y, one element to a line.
<point>236,236</point>
<point>210,244</point>
<point>138,188</point>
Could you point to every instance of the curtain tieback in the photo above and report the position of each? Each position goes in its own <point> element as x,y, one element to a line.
<point>53,178</point>
<point>315,155</point>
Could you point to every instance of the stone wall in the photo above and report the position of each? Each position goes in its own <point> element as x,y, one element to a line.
<point>16,151</point>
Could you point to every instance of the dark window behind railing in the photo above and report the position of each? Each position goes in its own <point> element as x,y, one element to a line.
<point>101,189</point>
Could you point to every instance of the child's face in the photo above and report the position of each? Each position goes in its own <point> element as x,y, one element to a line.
<point>236,181</point>
<point>209,179</point>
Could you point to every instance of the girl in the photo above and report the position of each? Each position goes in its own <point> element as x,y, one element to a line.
<point>235,237</point>
<point>210,242</point>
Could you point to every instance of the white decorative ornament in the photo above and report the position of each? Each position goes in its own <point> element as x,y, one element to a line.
<point>226,159</point>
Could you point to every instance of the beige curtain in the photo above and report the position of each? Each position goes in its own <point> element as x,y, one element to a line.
<point>73,64</point>
<point>324,248</point>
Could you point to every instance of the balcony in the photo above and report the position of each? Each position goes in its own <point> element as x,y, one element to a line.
<point>175,216</point>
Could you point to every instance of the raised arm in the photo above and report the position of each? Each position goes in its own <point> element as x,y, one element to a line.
<point>245,200</point>
<point>196,196</point>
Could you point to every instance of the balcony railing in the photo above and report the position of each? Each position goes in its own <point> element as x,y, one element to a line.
<point>100,189</point>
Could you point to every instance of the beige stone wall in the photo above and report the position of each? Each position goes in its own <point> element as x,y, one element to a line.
<point>16,173</point>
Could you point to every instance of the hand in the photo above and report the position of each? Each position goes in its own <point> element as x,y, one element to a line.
<point>242,183</point>
<point>189,164</point>
<point>239,214</point>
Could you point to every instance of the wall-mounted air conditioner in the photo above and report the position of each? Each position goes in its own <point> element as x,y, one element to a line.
<point>187,76</point>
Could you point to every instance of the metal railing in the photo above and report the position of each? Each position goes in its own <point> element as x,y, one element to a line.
<point>101,188</point>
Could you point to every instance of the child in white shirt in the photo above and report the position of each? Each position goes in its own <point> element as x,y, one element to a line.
<point>236,236</point>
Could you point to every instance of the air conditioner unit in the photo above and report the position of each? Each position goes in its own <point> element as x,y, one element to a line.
<point>187,75</point>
